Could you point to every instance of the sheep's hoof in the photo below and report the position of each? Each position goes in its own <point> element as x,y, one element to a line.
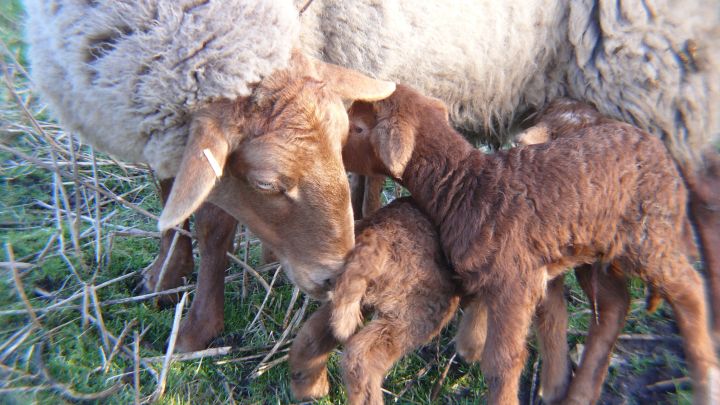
<point>304,389</point>
<point>174,276</point>
<point>195,335</point>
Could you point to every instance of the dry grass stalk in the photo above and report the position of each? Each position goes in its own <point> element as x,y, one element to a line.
<point>19,287</point>
<point>264,301</point>
<point>439,383</point>
<point>166,262</point>
<point>297,319</point>
<point>118,343</point>
<point>247,268</point>
<point>160,390</point>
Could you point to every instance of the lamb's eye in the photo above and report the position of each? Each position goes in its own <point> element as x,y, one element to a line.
<point>268,186</point>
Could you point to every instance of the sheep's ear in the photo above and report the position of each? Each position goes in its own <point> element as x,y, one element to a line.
<point>352,85</point>
<point>202,164</point>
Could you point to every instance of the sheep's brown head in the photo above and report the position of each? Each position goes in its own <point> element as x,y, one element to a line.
<point>273,160</point>
<point>383,133</point>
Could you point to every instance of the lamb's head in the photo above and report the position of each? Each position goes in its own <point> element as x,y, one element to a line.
<point>563,116</point>
<point>273,160</point>
<point>383,133</point>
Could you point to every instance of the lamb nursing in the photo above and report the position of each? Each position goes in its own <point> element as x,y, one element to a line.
<point>513,221</point>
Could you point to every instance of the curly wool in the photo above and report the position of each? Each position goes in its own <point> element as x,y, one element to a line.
<point>125,75</point>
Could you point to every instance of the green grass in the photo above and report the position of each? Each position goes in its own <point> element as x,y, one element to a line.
<point>73,349</point>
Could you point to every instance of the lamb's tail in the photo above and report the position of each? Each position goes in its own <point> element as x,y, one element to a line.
<point>364,263</point>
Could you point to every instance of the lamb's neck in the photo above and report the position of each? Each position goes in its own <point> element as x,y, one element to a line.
<point>439,172</point>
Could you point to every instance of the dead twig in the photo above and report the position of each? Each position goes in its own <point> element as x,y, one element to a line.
<point>160,390</point>
<point>118,343</point>
<point>439,383</point>
<point>670,385</point>
<point>19,287</point>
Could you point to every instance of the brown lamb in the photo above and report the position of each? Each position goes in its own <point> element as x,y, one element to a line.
<point>397,271</point>
<point>512,221</point>
<point>609,297</point>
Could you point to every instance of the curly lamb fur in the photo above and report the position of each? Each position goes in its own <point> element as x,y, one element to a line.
<point>510,222</point>
<point>397,272</point>
<point>124,75</point>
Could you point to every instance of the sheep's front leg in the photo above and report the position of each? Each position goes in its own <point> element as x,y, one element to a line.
<point>613,301</point>
<point>368,356</point>
<point>510,312</point>
<point>308,356</point>
<point>551,325</point>
<point>205,319</point>
<point>180,263</point>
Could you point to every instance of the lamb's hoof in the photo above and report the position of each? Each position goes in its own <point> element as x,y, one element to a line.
<point>470,352</point>
<point>552,397</point>
<point>305,388</point>
<point>195,335</point>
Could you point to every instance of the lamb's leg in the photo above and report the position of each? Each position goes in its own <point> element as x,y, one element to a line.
<point>551,325</point>
<point>683,289</point>
<point>365,194</point>
<point>357,195</point>
<point>215,231</point>
<point>704,210</point>
<point>472,331</point>
<point>368,356</point>
<point>308,356</point>
<point>510,311</point>
<point>179,265</point>
<point>371,199</point>
<point>613,301</point>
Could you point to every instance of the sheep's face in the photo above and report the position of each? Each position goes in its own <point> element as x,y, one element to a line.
<point>292,178</point>
<point>278,168</point>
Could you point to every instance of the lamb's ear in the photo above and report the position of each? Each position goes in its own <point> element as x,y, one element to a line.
<point>202,164</point>
<point>352,85</point>
<point>393,143</point>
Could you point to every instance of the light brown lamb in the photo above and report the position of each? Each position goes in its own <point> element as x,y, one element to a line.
<point>396,271</point>
<point>512,221</point>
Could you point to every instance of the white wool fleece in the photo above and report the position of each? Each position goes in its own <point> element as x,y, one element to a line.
<point>125,74</point>
<point>654,63</point>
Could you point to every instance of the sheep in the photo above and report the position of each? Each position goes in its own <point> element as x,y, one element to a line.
<point>250,128</point>
<point>396,270</point>
<point>652,63</point>
<point>511,222</point>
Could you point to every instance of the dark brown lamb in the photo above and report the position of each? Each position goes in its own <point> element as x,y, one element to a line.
<point>398,272</point>
<point>512,221</point>
<point>608,292</point>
